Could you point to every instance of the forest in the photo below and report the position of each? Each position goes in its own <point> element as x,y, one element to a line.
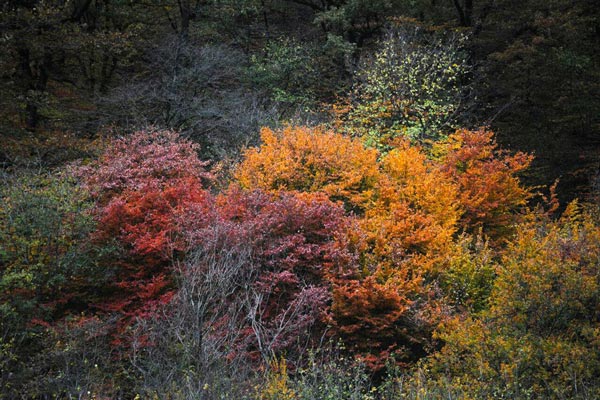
<point>299,199</point>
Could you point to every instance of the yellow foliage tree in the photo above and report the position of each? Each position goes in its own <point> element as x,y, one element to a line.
<point>541,332</point>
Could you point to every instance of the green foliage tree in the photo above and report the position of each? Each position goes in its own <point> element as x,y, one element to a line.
<point>59,56</point>
<point>413,86</point>
<point>288,69</point>
<point>44,223</point>
<point>355,21</point>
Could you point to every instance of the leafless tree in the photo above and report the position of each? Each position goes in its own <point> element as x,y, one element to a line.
<point>200,91</point>
<point>190,349</point>
<point>291,329</point>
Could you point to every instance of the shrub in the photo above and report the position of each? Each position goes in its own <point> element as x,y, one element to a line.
<point>44,270</point>
<point>539,336</point>
<point>490,193</point>
<point>311,160</point>
<point>141,185</point>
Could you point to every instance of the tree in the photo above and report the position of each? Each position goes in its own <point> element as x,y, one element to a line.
<point>190,347</point>
<point>413,86</point>
<point>311,160</point>
<point>142,184</point>
<point>59,56</point>
<point>490,191</point>
<point>540,332</point>
<point>464,9</point>
<point>293,241</point>
<point>44,267</point>
<point>198,90</point>
<point>146,159</point>
<point>386,303</point>
<point>289,70</point>
<point>539,72</point>
<point>355,21</point>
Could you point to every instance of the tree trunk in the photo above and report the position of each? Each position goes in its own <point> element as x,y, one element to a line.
<point>464,11</point>
<point>185,13</point>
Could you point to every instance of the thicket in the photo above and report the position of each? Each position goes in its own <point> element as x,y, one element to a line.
<point>290,199</point>
<point>128,276</point>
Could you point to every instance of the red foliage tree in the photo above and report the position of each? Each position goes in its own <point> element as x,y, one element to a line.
<point>293,246</point>
<point>146,226</point>
<point>142,184</point>
<point>147,159</point>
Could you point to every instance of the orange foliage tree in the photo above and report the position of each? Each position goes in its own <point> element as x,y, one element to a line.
<point>490,192</point>
<point>311,160</point>
<point>390,304</point>
<point>389,294</point>
<point>417,199</point>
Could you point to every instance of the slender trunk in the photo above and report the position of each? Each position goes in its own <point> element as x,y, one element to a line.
<point>185,13</point>
<point>265,19</point>
<point>468,12</point>
<point>35,78</point>
<point>464,11</point>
